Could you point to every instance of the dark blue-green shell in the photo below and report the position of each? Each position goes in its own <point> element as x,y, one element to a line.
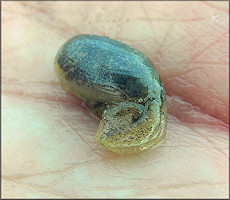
<point>117,70</point>
<point>120,85</point>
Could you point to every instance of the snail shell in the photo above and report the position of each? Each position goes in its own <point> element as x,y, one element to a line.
<point>120,85</point>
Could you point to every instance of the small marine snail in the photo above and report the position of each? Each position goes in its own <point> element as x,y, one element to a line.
<point>120,85</point>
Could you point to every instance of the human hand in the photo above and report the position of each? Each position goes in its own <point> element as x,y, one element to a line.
<point>48,147</point>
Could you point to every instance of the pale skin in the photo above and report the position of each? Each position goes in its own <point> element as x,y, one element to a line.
<point>48,146</point>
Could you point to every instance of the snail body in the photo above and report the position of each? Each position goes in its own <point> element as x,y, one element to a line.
<point>120,85</point>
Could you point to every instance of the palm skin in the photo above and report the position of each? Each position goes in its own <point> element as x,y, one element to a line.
<point>48,147</point>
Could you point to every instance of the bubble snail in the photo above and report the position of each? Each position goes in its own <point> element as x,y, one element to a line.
<point>119,85</point>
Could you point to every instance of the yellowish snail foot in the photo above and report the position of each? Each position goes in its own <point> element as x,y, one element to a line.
<point>132,128</point>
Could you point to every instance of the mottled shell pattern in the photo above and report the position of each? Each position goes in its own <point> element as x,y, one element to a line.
<point>120,85</point>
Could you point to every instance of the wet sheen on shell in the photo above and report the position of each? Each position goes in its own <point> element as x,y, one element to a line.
<point>120,85</point>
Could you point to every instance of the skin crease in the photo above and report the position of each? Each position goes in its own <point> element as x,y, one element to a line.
<point>48,147</point>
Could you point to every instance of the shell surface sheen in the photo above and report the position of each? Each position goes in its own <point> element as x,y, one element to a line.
<point>120,85</point>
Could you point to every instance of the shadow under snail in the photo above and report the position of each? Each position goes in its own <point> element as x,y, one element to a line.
<point>119,85</point>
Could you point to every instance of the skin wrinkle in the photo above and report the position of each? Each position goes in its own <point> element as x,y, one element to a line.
<point>209,63</point>
<point>120,24</point>
<point>205,49</point>
<point>168,20</point>
<point>81,137</point>
<point>177,72</point>
<point>194,68</point>
<point>222,27</point>
<point>154,10</point>
<point>38,7</point>
<point>8,11</point>
<point>162,187</point>
<point>217,8</point>
<point>158,51</point>
<point>29,12</point>
<point>35,188</point>
<point>66,98</point>
<point>174,20</point>
<point>221,151</point>
<point>149,22</point>
<point>188,113</point>
<point>57,172</point>
<point>138,186</point>
<point>98,152</point>
<point>73,167</point>
<point>207,151</point>
<point>191,83</point>
<point>63,29</point>
<point>207,139</point>
<point>186,84</point>
<point>12,49</point>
